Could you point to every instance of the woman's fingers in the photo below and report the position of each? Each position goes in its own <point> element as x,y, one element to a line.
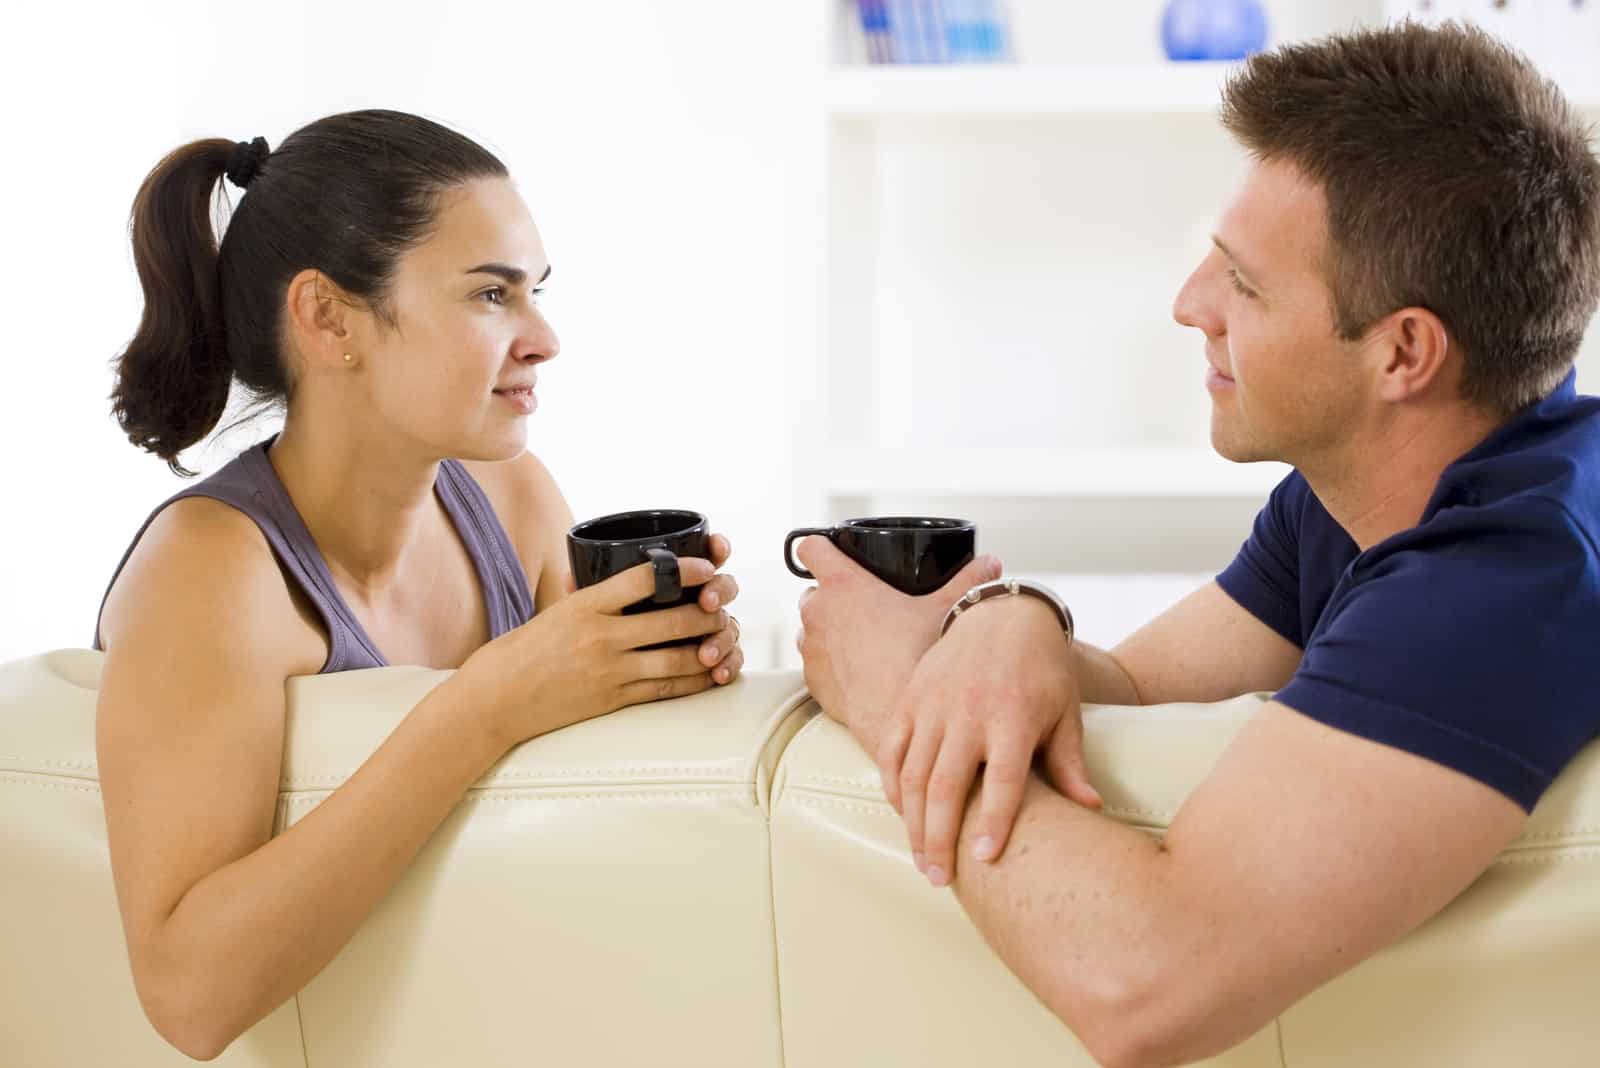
<point>668,624</point>
<point>719,592</point>
<point>715,649</point>
<point>729,669</point>
<point>642,690</point>
<point>721,549</point>
<point>664,663</point>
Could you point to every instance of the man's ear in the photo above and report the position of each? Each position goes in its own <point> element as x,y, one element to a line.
<point>1413,349</point>
<point>320,317</point>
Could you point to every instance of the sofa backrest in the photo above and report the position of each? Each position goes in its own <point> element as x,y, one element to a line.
<point>719,881</point>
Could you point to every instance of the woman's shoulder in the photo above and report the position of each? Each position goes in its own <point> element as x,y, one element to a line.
<point>523,492</point>
<point>205,572</point>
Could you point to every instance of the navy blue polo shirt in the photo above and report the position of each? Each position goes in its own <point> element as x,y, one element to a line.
<point>1471,639</point>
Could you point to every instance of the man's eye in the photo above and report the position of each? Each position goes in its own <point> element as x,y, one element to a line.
<point>494,295</point>
<point>536,294</point>
<point>1238,286</point>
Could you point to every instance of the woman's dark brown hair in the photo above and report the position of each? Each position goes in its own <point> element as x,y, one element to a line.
<point>1457,180</point>
<point>345,195</point>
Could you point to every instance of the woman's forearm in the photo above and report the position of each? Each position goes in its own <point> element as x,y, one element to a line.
<point>251,934</point>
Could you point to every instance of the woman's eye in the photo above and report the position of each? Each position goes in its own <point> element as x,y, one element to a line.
<point>1238,286</point>
<point>537,293</point>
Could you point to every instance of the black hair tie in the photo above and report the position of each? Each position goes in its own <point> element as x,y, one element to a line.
<point>245,163</point>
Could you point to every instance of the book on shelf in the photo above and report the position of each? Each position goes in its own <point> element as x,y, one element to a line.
<point>935,31</point>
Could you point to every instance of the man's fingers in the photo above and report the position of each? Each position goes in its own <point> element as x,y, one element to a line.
<point>892,756</point>
<point>948,788</point>
<point>721,549</point>
<point>1005,775</point>
<point>983,569</point>
<point>914,773</point>
<point>1063,759</point>
<point>823,559</point>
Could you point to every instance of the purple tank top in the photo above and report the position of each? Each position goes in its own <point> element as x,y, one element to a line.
<point>250,484</point>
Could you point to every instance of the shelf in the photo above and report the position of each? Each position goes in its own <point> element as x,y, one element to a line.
<point>1009,90</point>
<point>1044,472</point>
<point>1149,89</point>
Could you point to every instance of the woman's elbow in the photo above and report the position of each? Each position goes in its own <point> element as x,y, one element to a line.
<point>182,1014</point>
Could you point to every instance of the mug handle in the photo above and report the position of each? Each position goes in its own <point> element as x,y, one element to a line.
<point>788,548</point>
<point>669,579</point>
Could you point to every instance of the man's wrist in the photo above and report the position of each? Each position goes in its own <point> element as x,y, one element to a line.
<point>988,596</point>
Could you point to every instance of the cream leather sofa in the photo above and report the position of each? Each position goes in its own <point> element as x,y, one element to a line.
<point>718,881</point>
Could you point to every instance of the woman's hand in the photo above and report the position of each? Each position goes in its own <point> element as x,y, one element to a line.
<point>721,652</point>
<point>581,657</point>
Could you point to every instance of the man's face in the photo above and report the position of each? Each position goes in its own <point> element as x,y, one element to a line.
<point>1283,385</point>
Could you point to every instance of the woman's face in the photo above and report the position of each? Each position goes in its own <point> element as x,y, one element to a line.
<point>454,370</point>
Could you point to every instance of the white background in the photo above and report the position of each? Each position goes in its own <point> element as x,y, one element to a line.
<point>668,152</point>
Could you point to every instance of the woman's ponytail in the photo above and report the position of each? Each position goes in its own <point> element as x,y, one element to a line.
<point>347,195</point>
<point>173,379</point>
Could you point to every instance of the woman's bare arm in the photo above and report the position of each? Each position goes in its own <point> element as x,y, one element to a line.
<point>223,921</point>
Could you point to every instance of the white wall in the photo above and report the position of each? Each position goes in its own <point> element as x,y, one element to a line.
<point>669,152</point>
<point>654,143</point>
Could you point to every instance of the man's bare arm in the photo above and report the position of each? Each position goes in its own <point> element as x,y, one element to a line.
<point>1204,648</point>
<point>1285,868</point>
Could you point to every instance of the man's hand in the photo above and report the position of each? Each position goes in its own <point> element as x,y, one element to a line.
<point>991,692</point>
<point>861,638</point>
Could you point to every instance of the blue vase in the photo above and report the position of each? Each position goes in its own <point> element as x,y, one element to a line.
<point>1213,29</point>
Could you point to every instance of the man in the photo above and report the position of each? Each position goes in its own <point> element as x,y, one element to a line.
<point>1393,304</point>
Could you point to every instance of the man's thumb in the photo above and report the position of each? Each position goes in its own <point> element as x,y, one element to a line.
<point>983,569</point>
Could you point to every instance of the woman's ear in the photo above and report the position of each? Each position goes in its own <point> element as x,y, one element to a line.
<point>320,317</point>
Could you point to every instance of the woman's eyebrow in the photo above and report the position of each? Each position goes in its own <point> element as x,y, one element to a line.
<point>512,275</point>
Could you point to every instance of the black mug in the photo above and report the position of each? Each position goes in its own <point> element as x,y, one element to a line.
<point>914,554</point>
<point>600,548</point>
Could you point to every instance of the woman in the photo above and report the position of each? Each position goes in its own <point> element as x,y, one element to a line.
<point>380,279</point>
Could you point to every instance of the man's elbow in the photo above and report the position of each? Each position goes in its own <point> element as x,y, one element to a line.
<point>1154,1022</point>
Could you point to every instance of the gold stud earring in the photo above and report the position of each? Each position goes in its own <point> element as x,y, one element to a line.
<point>348,357</point>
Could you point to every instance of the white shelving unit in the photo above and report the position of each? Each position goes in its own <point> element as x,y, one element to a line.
<point>999,248</point>
<point>1170,88</point>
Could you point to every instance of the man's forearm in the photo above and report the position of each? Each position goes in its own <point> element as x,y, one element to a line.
<point>1088,913</point>
<point>1101,679</point>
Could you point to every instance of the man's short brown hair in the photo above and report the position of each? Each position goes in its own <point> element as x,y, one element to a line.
<point>1457,180</point>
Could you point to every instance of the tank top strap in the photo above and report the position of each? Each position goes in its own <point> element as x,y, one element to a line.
<point>506,592</point>
<point>249,484</point>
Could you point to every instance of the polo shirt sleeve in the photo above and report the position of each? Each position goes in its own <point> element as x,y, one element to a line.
<point>1473,648</point>
<point>1264,577</point>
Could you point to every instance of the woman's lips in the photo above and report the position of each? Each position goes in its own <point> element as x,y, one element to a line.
<point>522,398</point>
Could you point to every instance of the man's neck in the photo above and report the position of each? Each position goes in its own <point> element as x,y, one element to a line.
<point>1380,481</point>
